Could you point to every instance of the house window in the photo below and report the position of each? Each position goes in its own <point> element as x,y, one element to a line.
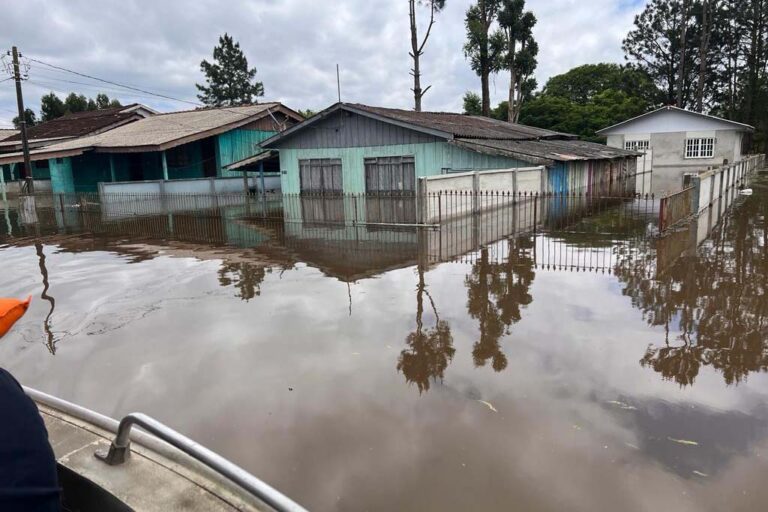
<point>321,175</point>
<point>702,147</point>
<point>390,174</point>
<point>637,145</point>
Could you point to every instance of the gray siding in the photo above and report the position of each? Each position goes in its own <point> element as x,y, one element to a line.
<point>347,130</point>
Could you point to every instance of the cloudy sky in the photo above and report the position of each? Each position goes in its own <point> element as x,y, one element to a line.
<point>295,44</point>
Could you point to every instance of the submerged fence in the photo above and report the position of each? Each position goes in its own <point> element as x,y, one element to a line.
<point>704,189</point>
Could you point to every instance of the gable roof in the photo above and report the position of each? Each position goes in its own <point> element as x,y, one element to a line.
<point>670,108</point>
<point>80,124</point>
<point>475,133</point>
<point>164,131</point>
<point>445,125</point>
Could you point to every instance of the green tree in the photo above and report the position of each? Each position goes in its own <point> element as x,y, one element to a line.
<point>483,48</point>
<point>76,103</point>
<point>103,101</point>
<point>473,105</point>
<point>307,113</point>
<point>29,117</point>
<point>417,47</point>
<point>51,107</point>
<point>654,44</point>
<point>519,54</point>
<point>588,98</point>
<point>230,82</point>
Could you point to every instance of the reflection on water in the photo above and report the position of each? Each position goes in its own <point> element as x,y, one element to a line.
<point>429,350</point>
<point>401,368</point>
<point>496,292</point>
<point>714,297</point>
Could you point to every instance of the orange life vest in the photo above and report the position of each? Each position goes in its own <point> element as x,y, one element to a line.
<point>10,311</point>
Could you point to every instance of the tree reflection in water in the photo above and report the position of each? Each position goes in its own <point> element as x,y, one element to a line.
<point>429,351</point>
<point>496,293</point>
<point>246,277</point>
<point>717,298</point>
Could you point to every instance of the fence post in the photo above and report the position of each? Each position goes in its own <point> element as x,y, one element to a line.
<point>694,181</point>
<point>421,199</point>
<point>475,192</point>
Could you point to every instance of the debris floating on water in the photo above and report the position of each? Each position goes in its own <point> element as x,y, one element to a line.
<point>683,441</point>
<point>699,473</point>
<point>745,192</point>
<point>489,405</point>
<point>622,405</point>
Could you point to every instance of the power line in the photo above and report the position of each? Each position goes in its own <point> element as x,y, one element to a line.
<point>130,87</point>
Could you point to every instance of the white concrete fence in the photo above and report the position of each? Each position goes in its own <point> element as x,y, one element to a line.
<point>456,194</point>
<point>711,185</point>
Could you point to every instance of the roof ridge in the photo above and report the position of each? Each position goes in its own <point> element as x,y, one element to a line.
<point>208,109</point>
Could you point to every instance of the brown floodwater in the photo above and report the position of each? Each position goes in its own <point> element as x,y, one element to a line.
<point>584,365</point>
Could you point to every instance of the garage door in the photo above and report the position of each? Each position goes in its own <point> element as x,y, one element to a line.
<point>390,174</point>
<point>321,176</point>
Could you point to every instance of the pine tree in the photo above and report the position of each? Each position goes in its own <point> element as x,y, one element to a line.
<point>230,82</point>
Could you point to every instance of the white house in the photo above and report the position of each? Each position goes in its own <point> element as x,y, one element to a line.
<point>677,141</point>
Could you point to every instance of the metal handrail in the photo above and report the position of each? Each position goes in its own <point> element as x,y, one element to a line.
<point>119,450</point>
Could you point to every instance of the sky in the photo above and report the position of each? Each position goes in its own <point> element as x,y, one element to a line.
<point>294,44</point>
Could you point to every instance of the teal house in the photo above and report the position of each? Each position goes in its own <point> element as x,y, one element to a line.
<point>179,145</point>
<point>353,149</point>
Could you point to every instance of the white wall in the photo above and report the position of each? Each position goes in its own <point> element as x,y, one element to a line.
<point>665,121</point>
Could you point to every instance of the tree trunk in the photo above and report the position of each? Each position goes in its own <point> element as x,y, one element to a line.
<point>706,30</point>
<point>681,67</point>
<point>512,78</point>
<point>486,91</point>
<point>416,71</point>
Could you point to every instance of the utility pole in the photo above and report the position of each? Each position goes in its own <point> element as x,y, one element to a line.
<point>30,185</point>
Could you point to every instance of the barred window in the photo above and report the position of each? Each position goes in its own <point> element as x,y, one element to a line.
<point>637,145</point>
<point>702,147</point>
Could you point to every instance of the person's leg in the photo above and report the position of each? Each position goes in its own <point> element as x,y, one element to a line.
<point>28,479</point>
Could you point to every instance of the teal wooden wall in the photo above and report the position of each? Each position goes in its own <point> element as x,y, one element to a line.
<point>236,145</point>
<point>430,158</point>
<point>62,179</point>
<point>11,171</point>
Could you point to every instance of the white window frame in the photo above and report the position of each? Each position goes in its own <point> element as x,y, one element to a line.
<point>699,147</point>
<point>637,145</point>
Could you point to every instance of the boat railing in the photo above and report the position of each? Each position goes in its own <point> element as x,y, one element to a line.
<point>119,450</point>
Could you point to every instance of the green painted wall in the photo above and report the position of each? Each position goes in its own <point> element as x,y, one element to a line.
<point>11,171</point>
<point>62,179</point>
<point>431,159</point>
<point>236,145</point>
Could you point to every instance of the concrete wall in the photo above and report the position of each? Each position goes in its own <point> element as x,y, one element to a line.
<point>668,154</point>
<point>431,159</point>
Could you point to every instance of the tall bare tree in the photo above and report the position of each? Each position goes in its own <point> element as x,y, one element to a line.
<point>708,7</point>
<point>417,47</point>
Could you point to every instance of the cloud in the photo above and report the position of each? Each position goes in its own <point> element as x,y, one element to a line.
<point>295,44</point>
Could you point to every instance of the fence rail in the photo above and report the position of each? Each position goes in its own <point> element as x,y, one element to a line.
<point>675,208</point>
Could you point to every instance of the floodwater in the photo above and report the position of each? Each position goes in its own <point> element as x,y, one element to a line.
<point>580,366</point>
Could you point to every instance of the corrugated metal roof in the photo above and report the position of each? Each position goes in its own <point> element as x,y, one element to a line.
<point>464,126</point>
<point>546,151</point>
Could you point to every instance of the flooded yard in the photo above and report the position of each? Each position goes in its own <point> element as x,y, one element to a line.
<point>582,364</point>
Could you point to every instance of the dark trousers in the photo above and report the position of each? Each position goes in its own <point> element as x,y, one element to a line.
<point>28,480</point>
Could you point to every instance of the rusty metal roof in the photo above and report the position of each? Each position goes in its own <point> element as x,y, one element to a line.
<point>80,124</point>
